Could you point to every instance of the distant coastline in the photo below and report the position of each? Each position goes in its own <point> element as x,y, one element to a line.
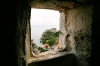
<point>37,30</point>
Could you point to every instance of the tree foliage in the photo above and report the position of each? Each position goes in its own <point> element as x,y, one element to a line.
<point>57,34</point>
<point>51,41</point>
<point>41,49</point>
<point>49,37</point>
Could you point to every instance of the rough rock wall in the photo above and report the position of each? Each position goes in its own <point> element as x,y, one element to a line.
<point>79,26</point>
<point>28,37</point>
<point>23,19</point>
<point>62,29</point>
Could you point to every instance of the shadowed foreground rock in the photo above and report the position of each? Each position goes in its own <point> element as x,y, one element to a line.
<point>79,18</point>
<point>66,60</point>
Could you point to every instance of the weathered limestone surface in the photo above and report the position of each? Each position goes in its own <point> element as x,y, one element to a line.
<point>28,38</point>
<point>79,27</point>
<point>53,4</point>
<point>62,29</point>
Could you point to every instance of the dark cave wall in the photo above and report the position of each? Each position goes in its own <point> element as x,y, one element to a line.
<point>23,32</point>
<point>95,56</point>
<point>8,20</point>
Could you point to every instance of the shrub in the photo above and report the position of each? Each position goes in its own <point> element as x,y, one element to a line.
<point>51,41</point>
<point>42,50</point>
<point>43,41</point>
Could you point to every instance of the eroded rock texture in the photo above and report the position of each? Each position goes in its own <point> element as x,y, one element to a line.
<point>23,32</point>
<point>62,29</point>
<point>79,26</point>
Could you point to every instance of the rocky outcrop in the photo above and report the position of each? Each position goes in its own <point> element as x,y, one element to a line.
<point>34,48</point>
<point>48,34</point>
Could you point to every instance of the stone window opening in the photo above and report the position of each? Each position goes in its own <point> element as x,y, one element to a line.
<point>62,19</point>
<point>51,50</point>
<point>72,21</point>
<point>52,6</point>
<point>75,19</point>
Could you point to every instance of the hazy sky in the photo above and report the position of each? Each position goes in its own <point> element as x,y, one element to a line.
<point>44,17</point>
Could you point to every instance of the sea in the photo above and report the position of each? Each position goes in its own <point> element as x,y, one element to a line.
<point>37,30</point>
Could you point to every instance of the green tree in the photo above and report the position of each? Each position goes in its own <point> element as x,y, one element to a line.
<point>43,41</point>
<point>49,37</point>
<point>51,41</point>
<point>49,34</point>
<point>57,33</point>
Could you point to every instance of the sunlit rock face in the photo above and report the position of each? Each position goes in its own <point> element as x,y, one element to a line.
<point>79,27</point>
<point>62,29</point>
<point>77,23</point>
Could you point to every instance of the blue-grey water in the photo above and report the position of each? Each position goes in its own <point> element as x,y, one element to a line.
<point>37,30</point>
